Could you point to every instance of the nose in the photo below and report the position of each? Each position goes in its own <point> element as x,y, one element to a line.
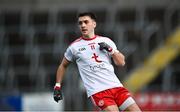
<point>83,25</point>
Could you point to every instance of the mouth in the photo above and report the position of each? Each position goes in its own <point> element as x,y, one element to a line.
<point>84,30</point>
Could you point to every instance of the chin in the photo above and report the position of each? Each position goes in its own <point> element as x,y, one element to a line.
<point>85,35</point>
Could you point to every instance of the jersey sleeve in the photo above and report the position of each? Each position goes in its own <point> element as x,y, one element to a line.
<point>112,44</point>
<point>68,54</point>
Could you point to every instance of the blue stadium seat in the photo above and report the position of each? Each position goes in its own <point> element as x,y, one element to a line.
<point>11,19</point>
<point>124,16</point>
<point>15,39</point>
<point>39,19</point>
<point>67,17</point>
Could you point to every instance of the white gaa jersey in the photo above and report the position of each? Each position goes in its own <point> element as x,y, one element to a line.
<point>94,65</point>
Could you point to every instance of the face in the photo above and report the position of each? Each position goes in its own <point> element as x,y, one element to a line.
<point>86,25</point>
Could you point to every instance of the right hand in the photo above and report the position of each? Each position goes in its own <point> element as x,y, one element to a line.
<point>57,93</point>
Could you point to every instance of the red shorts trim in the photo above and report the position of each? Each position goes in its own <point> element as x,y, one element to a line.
<point>114,96</point>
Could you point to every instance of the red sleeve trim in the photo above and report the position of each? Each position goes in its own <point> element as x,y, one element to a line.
<point>77,40</point>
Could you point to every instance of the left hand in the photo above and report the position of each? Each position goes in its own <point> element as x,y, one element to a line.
<point>105,46</point>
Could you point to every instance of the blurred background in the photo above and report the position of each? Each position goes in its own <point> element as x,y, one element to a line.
<point>34,35</point>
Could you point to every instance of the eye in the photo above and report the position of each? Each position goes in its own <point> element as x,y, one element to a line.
<point>80,22</point>
<point>86,21</point>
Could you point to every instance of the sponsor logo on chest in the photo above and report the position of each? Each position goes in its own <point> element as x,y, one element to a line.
<point>82,49</point>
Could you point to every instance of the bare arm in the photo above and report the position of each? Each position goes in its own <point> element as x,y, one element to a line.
<point>118,58</point>
<point>61,70</point>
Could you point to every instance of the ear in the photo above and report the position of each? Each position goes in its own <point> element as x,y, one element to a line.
<point>94,24</point>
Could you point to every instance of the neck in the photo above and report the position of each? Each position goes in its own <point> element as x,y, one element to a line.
<point>89,36</point>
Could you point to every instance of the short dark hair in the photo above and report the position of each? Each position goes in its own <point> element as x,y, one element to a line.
<point>90,14</point>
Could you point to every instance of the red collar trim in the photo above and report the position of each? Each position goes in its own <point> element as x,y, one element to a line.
<point>89,38</point>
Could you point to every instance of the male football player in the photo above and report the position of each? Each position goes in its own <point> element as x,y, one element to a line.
<point>92,54</point>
